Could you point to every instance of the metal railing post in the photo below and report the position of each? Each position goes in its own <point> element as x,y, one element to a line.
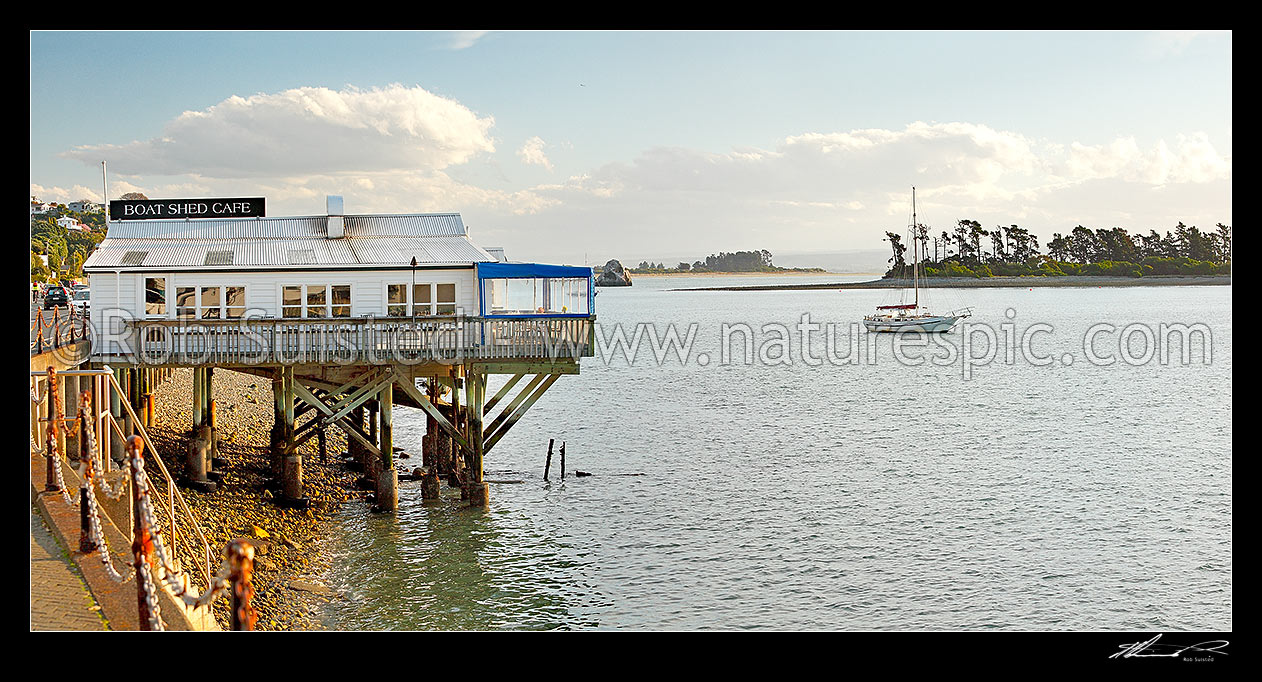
<point>50,433</point>
<point>142,546</point>
<point>86,544</point>
<point>241,562</point>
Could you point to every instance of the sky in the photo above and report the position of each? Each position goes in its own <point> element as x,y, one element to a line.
<point>577,147</point>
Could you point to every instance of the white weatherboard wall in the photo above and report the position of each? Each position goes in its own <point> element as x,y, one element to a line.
<point>110,292</point>
<point>263,289</point>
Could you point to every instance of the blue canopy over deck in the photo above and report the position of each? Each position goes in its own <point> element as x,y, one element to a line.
<point>535,290</point>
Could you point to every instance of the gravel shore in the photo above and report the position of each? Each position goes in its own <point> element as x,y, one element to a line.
<point>287,541</point>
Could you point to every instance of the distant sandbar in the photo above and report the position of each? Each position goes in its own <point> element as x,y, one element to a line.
<point>1084,281</point>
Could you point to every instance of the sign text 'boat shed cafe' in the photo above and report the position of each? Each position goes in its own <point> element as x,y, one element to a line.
<point>175,209</point>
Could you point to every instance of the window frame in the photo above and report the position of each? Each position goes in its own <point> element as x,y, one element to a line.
<point>410,305</point>
<point>304,303</point>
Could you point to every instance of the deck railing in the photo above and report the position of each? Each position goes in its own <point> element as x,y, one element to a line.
<point>57,328</point>
<point>410,340</point>
<point>173,515</point>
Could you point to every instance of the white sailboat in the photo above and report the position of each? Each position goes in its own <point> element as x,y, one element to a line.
<point>912,317</point>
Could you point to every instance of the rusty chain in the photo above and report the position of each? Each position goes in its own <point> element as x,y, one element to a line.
<point>237,557</point>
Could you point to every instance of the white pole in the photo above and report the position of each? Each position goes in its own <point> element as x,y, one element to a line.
<point>105,196</point>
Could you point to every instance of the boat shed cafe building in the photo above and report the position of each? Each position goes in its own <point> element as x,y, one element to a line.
<point>335,287</point>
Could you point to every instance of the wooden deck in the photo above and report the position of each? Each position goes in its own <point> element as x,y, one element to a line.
<point>355,341</point>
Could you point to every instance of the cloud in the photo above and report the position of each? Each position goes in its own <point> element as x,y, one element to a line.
<point>461,40</point>
<point>1193,159</point>
<point>1173,43</point>
<point>400,150</point>
<point>61,195</point>
<point>532,153</point>
<point>304,131</point>
<point>823,191</point>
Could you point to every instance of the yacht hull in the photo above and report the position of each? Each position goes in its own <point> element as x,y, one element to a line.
<point>936,324</point>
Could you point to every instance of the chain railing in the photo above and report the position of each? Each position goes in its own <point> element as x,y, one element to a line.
<point>152,561</point>
<point>58,330</point>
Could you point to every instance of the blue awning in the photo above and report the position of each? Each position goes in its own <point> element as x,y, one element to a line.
<point>530,271</point>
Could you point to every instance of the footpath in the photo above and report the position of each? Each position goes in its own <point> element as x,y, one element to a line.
<point>59,598</point>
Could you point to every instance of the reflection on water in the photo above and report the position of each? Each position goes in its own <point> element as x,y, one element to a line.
<point>444,566</point>
<point>882,496</point>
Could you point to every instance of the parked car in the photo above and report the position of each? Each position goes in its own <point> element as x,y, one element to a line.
<point>81,300</point>
<point>56,297</point>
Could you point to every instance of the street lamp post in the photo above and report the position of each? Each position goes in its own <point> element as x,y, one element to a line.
<point>412,291</point>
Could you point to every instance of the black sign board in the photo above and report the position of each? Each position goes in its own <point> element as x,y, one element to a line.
<point>151,209</point>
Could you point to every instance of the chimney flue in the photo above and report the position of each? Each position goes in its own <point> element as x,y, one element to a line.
<point>336,227</point>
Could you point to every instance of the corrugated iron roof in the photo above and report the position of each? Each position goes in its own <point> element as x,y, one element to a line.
<point>309,227</point>
<point>258,253</point>
<point>283,242</point>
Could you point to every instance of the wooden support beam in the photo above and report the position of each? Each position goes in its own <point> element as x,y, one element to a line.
<point>292,487</point>
<point>198,387</point>
<point>517,414</point>
<point>495,423</point>
<point>538,367</point>
<point>345,423</point>
<point>478,398</point>
<point>490,404</point>
<point>342,408</point>
<point>415,394</point>
<point>387,477</point>
<point>364,393</point>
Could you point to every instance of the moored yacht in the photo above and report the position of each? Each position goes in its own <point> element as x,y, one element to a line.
<point>912,317</point>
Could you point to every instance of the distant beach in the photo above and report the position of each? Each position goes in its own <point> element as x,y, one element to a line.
<point>787,273</point>
<point>1082,281</point>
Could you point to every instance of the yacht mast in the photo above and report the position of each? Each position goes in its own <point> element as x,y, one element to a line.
<point>915,255</point>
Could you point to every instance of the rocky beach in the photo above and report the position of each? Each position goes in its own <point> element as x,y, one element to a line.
<point>288,592</point>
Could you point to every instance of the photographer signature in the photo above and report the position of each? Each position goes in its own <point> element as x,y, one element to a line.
<point>1155,650</point>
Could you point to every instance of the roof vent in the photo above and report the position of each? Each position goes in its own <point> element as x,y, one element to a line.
<point>302,257</point>
<point>337,229</point>
<point>219,258</point>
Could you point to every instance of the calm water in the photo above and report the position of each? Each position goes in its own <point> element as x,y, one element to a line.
<point>869,496</point>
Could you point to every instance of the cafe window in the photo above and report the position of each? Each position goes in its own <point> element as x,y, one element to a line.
<point>396,300</point>
<point>186,303</point>
<point>340,300</point>
<point>445,299</point>
<point>315,301</point>
<point>291,302</point>
<point>426,299</point>
<point>156,296</point>
<point>234,302</point>
<point>212,299</point>
<point>209,303</point>
<point>536,296</point>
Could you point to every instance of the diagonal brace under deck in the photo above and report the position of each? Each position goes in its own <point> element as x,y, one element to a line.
<point>421,399</point>
<point>518,410</point>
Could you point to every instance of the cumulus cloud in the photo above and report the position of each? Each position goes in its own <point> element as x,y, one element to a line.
<point>532,153</point>
<point>819,191</point>
<point>62,195</point>
<point>304,131</point>
<point>461,40</point>
<point>1193,159</point>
